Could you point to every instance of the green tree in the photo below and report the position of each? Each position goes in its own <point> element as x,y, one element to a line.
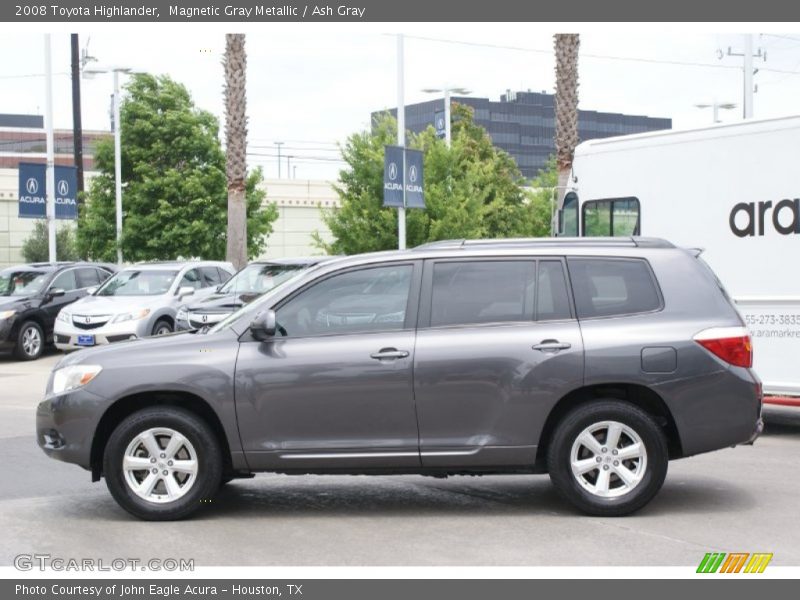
<point>175,187</point>
<point>35,248</point>
<point>472,190</point>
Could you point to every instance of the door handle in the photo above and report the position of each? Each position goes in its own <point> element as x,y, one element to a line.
<point>389,354</point>
<point>552,346</point>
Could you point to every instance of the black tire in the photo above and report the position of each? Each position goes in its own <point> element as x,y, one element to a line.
<point>654,469</point>
<point>205,445</point>
<point>162,327</point>
<point>24,349</point>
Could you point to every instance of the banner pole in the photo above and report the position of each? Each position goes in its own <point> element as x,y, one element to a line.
<point>401,141</point>
<point>50,177</point>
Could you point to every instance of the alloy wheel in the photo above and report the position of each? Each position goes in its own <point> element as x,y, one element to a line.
<point>160,465</point>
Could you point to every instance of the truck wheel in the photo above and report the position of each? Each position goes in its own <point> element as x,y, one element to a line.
<point>30,341</point>
<point>162,463</point>
<point>608,458</point>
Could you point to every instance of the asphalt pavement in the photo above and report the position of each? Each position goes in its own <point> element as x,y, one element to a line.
<point>735,500</point>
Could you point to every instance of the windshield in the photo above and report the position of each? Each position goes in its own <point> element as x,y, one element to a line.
<point>21,283</point>
<point>259,279</point>
<point>250,310</point>
<point>138,282</point>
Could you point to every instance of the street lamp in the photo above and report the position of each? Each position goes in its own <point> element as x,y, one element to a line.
<point>715,106</point>
<point>447,91</point>
<point>90,72</point>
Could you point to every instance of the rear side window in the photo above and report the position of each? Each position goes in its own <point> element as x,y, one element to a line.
<point>611,287</point>
<point>211,274</point>
<point>552,297</point>
<point>88,277</point>
<point>223,275</point>
<point>466,293</point>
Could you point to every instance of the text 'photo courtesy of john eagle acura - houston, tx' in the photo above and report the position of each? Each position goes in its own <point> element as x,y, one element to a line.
<point>596,360</point>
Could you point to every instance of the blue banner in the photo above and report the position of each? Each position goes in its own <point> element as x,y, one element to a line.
<point>32,197</point>
<point>438,124</point>
<point>415,197</point>
<point>393,176</point>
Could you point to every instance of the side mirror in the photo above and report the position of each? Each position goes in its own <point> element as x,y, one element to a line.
<point>90,291</point>
<point>55,292</point>
<point>264,326</point>
<point>184,291</point>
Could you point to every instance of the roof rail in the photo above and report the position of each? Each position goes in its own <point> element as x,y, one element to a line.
<point>640,242</point>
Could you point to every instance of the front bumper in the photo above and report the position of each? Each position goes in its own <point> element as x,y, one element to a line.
<point>65,425</point>
<point>65,335</point>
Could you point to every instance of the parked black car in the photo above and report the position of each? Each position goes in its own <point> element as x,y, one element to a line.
<point>31,296</point>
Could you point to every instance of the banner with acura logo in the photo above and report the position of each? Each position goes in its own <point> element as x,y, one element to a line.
<point>32,195</point>
<point>400,172</point>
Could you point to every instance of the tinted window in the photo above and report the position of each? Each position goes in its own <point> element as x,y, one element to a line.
<point>612,287</point>
<point>614,217</point>
<point>211,274</point>
<point>192,279</point>
<point>88,277</point>
<point>65,281</point>
<point>569,215</point>
<point>223,275</point>
<point>482,292</point>
<point>552,297</point>
<point>356,301</point>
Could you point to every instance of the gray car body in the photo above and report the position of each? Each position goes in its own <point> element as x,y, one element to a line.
<point>467,399</point>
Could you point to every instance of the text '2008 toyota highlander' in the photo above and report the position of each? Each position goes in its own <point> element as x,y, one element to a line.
<point>595,360</point>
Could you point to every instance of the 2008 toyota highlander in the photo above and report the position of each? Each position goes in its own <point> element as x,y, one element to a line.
<point>594,360</point>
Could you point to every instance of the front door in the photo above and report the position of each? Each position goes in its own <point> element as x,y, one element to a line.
<point>333,389</point>
<point>497,346</point>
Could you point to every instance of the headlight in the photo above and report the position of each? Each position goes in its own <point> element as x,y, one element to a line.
<point>6,314</point>
<point>63,316</point>
<point>182,314</point>
<point>132,316</point>
<point>75,376</point>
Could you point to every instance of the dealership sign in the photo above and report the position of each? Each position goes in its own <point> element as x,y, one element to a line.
<point>32,194</point>
<point>403,178</point>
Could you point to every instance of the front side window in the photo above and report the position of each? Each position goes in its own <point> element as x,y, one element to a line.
<point>611,218</point>
<point>65,281</point>
<point>569,215</point>
<point>612,287</point>
<point>21,283</point>
<point>138,282</point>
<point>366,300</point>
<point>466,293</point>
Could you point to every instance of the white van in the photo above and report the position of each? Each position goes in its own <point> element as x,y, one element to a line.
<point>732,190</point>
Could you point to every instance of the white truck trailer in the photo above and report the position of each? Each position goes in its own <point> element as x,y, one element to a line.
<point>732,190</point>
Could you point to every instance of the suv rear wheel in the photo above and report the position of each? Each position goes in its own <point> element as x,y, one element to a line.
<point>162,463</point>
<point>608,458</point>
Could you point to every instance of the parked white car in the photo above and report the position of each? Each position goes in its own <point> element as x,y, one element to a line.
<point>139,301</point>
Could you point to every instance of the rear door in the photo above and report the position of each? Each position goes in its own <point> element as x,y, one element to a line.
<point>498,345</point>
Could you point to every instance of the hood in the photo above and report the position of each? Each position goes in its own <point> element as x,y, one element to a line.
<point>113,305</point>
<point>222,302</point>
<point>15,302</point>
<point>130,351</point>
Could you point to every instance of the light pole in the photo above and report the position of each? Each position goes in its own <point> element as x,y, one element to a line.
<point>715,106</point>
<point>50,176</point>
<point>279,144</point>
<point>90,72</point>
<point>447,91</point>
<point>289,158</point>
<point>401,141</point>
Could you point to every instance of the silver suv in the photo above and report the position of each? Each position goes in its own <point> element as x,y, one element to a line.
<point>139,301</point>
<point>595,360</point>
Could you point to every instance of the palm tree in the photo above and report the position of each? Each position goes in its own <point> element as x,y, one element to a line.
<point>235,63</point>
<point>566,105</point>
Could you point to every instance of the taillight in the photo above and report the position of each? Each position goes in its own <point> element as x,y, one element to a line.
<point>731,344</point>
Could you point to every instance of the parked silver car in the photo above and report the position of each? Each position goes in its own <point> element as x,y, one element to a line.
<point>139,301</point>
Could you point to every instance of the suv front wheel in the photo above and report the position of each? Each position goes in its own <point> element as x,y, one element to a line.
<point>608,458</point>
<point>162,463</point>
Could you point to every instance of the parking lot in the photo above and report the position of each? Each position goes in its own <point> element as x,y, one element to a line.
<point>735,500</point>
